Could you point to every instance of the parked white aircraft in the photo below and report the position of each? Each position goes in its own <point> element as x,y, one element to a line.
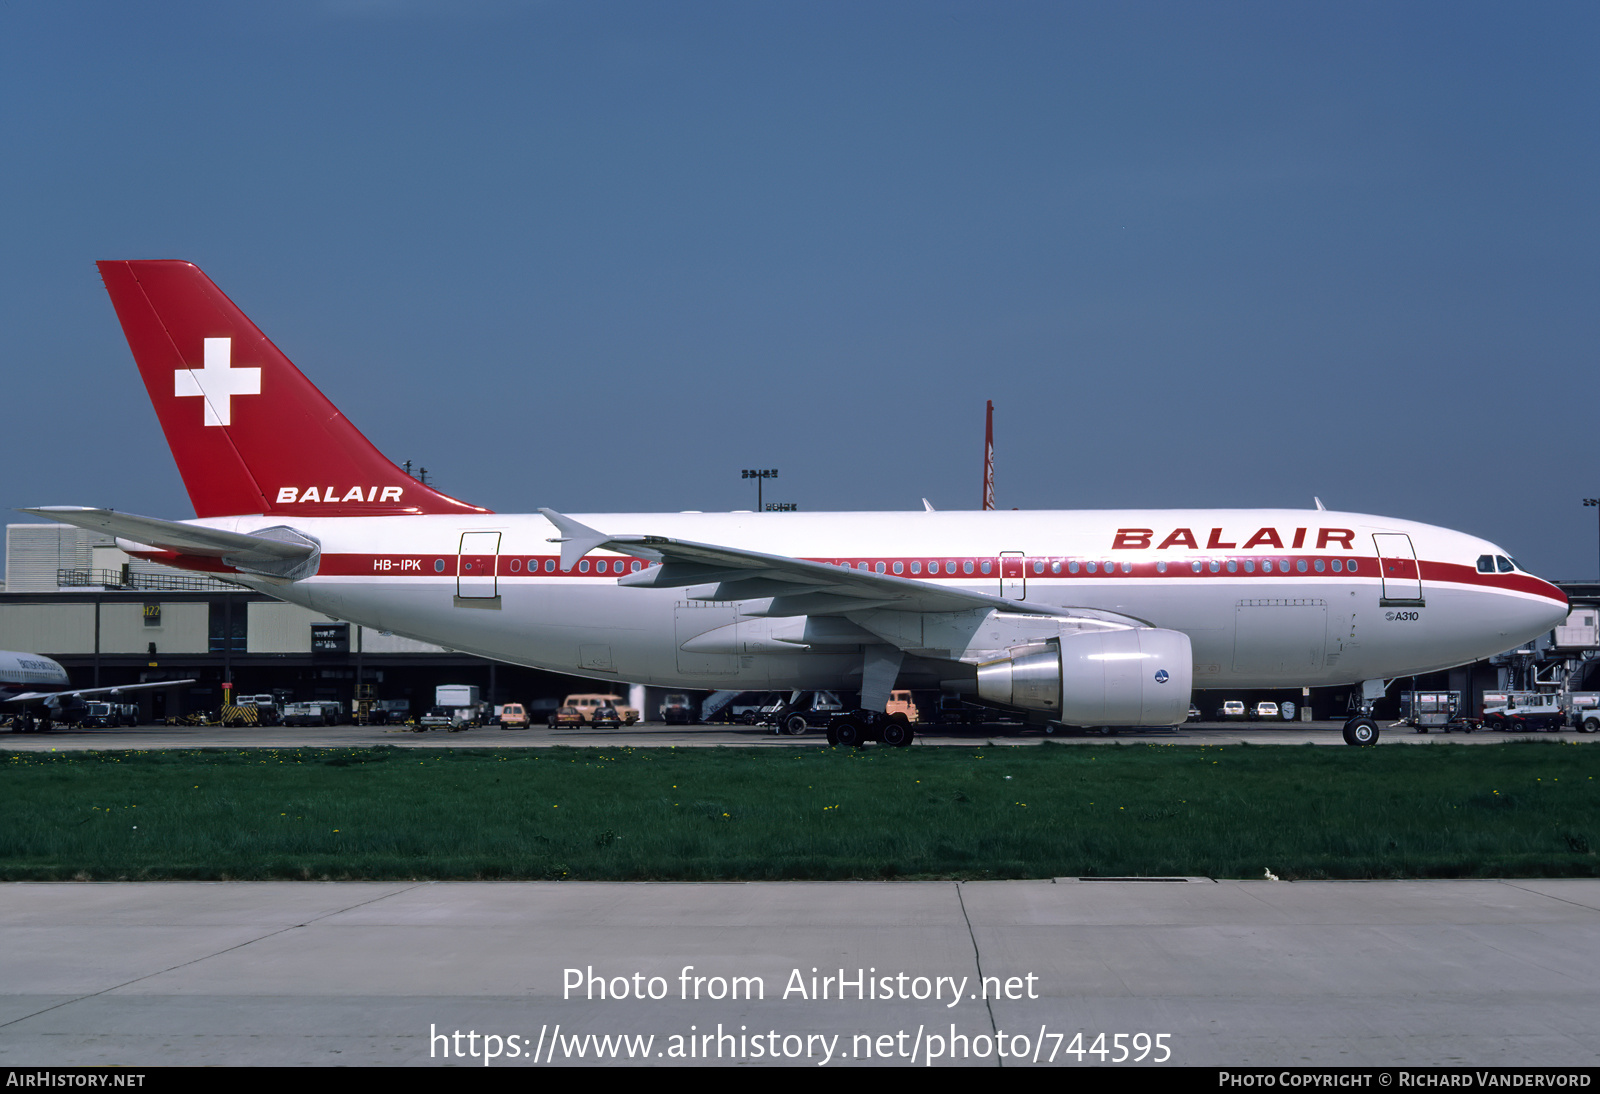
<point>1102,618</point>
<point>27,679</point>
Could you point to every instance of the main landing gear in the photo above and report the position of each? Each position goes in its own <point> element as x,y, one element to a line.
<point>857,727</point>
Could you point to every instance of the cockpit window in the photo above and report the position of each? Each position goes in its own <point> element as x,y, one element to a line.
<point>1504,563</point>
<point>1486,564</point>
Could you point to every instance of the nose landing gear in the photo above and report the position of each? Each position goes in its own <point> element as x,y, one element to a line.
<point>1361,730</point>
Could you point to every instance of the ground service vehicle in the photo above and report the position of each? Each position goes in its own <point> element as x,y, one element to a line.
<point>1523,711</point>
<point>954,710</point>
<point>1585,707</point>
<point>464,704</point>
<point>1264,711</point>
<point>1425,710</point>
<point>902,703</point>
<point>1231,709</point>
<point>315,713</point>
<point>388,712</point>
<point>435,718</point>
<point>677,710</point>
<point>109,715</point>
<point>1090,618</point>
<point>588,704</point>
<point>513,716</point>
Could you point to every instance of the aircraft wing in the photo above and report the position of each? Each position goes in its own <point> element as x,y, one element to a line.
<point>798,586</point>
<point>37,696</point>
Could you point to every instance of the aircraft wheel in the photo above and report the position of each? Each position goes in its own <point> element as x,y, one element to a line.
<point>850,734</point>
<point>1591,725</point>
<point>795,725</point>
<point>1108,731</point>
<point>898,733</point>
<point>1361,731</point>
<point>833,737</point>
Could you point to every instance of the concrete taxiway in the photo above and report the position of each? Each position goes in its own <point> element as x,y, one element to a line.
<point>1263,973</point>
<point>648,735</point>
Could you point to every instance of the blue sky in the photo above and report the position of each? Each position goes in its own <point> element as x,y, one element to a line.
<point>601,256</point>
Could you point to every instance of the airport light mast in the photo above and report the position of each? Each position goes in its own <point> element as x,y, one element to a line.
<point>1595,502</point>
<point>760,476</point>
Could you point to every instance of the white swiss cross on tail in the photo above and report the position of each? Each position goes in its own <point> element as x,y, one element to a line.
<point>218,382</point>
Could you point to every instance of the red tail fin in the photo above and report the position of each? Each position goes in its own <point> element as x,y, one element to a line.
<point>250,433</point>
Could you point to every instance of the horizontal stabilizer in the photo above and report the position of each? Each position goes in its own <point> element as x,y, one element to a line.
<point>185,539</point>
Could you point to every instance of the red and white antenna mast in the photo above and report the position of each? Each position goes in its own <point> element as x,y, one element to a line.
<point>988,457</point>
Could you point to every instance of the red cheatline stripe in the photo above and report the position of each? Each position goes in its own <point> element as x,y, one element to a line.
<point>535,566</point>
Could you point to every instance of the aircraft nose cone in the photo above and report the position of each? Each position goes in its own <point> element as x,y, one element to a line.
<point>1558,610</point>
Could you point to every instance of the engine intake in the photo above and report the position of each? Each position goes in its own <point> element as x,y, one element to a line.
<point>1136,677</point>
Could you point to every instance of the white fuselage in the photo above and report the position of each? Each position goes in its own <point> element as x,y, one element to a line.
<point>28,673</point>
<point>1268,598</point>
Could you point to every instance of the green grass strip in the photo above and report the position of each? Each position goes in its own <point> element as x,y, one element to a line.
<point>1516,810</point>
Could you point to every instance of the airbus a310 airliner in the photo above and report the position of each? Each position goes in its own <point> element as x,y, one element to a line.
<point>1083,619</point>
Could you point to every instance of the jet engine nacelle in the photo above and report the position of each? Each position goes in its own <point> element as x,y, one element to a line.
<point>1136,677</point>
